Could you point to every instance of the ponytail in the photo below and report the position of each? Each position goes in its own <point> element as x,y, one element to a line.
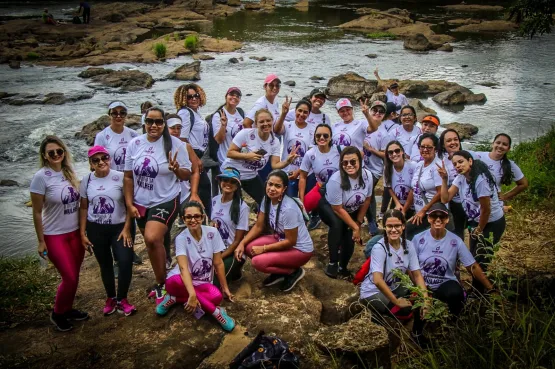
<point>507,177</point>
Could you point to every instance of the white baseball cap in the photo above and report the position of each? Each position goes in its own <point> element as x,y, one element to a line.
<point>344,102</point>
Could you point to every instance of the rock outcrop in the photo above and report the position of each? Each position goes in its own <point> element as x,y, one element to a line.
<point>125,80</point>
<point>89,131</point>
<point>473,8</point>
<point>458,96</point>
<point>351,85</point>
<point>186,72</point>
<point>488,26</point>
<point>53,98</point>
<point>465,130</point>
<point>418,42</point>
<point>8,182</point>
<point>421,109</point>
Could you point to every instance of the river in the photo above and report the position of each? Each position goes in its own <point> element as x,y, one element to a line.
<point>300,45</point>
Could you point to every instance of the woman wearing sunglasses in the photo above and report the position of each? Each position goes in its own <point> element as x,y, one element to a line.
<point>407,131</point>
<point>397,176</point>
<point>105,228</point>
<point>230,215</point>
<point>55,198</point>
<point>350,131</point>
<point>347,198</point>
<point>481,203</point>
<point>188,100</point>
<point>199,254</point>
<point>155,164</point>
<point>430,124</point>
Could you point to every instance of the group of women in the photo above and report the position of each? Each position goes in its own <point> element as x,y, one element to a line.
<point>287,161</point>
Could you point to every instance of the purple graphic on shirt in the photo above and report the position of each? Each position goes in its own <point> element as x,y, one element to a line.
<point>69,195</point>
<point>103,205</point>
<point>435,266</point>
<point>146,166</point>
<point>402,192</point>
<point>222,228</point>
<point>301,149</point>
<point>236,129</point>
<point>119,156</point>
<point>367,155</point>
<point>342,139</point>
<point>472,211</point>
<point>354,202</point>
<point>202,270</point>
<point>326,173</point>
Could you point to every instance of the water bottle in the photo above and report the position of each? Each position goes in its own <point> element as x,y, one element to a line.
<point>244,149</point>
<point>44,262</point>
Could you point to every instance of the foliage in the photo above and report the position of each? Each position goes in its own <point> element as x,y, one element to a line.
<point>191,42</point>
<point>26,290</point>
<point>534,16</point>
<point>31,55</point>
<point>176,36</point>
<point>167,38</point>
<point>160,50</point>
<point>379,35</point>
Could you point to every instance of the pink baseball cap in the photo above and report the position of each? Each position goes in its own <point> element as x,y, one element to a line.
<point>270,78</point>
<point>97,150</point>
<point>234,89</point>
<point>344,102</point>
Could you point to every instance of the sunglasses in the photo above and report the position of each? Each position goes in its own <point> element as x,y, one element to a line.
<point>54,153</point>
<point>104,158</point>
<point>378,111</point>
<point>351,162</point>
<point>190,217</point>
<point>122,114</point>
<point>274,85</point>
<point>407,115</point>
<point>320,97</point>
<point>426,148</point>
<point>228,180</point>
<point>394,151</point>
<point>151,121</point>
<point>195,96</point>
<point>322,135</point>
<point>396,226</point>
<point>441,216</point>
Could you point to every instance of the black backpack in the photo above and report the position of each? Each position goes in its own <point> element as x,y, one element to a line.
<point>213,145</point>
<point>266,352</point>
<point>191,116</point>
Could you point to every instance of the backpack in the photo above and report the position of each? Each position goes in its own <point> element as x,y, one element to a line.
<point>301,208</point>
<point>213,145</point>
<point>266,352</point>
<point>191,116</point>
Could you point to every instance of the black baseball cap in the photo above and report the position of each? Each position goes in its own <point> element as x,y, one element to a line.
<point>318,91</point>
<point>390,108</point>
<point>438,206</point>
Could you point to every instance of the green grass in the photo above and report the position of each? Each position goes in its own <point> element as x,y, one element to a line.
<point>160,50</point>
<point>31,55</point>
<point>380,35</point>
<point>167,38</point>
<point>191,42</point>
<point>176,36</point>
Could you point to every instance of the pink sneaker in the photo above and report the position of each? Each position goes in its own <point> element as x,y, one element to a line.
<point>125,308</point>
<point>110,306</point>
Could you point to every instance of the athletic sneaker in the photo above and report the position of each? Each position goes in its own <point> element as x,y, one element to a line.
<point>137,259</point>
<point>225,320</point>
<point>331,270</point>
<point>75,314</point>
<point>159,293</point>
<point>273,279</point>
<point>314,222</point>
<point>291,280</point>
<point>110,306</point>
<point>164,306</point>
<point>125,308</point>
<point>61,322</point>
<point>344,273</point>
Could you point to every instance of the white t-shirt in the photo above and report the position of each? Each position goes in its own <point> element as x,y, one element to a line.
<point>294,136</point>
<point>355,197</point>
<point>105,195</point>
<point>399,100</point>
<point>483,189</point>
<point>378,140</point>
<point>198,135</point>
<point>438,258</point>
<point>290,217</point>
<point>387,126</point>
<point>199,255</point>
<point>323,165</point>
<point>398,260</point>
<point>401,181</point>
<point>351,134</point>
<point>154,183</point>
<point>116,144</point>
<point>60,213</point>
<point>496,170</point>
<point>253,142</point>
<point>234,125</point>
<point>221,215</point>
<point>452,173</point>
<point>312,120</point>
<point>263,103</point>
<point>429,180</point>
<point>400,134</point>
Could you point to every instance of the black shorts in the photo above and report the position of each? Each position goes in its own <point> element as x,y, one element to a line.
<point>165,213</point>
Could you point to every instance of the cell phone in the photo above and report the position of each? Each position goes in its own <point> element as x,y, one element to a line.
<point>198,313</point>
<point>261,152</point>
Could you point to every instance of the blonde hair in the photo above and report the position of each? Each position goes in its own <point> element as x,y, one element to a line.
<point>67,163</point>
<point>180,95</point>
<point>262,111</point>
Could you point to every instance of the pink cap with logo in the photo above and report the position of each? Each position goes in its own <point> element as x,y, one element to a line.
<point>97,150</point>
<point>344,102</point>
<point>270,78</point>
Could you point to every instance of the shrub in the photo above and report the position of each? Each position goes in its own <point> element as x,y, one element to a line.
<point>378,35</point>
<point>31,55</point>
<point>176,36</point>
<point>167,38</point>
<point>191,42</point>
<point>160,50</point>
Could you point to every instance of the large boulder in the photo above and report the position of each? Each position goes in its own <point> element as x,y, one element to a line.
<point>351,85</point>
<point>53,98</point>
<point>89,131</point>
<point>421,109</point>
<point>126,80</point>
<point>187,72</point>
<point>417,42</point>
<point>488,26</point>
<point>8,182</point>
<point>91,72</point>
<point>458,96</point>
<point>465,130</point>
<point>378,21</point>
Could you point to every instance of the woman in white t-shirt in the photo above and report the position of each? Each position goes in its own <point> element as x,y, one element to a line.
<point>155,164</point>
<point>317,98</point>
<point>350,131</point>
<point>397,177</point>
<point>289,247</point>
<point>429,124</point>
<point>347,198</point>
<point>406,132</point>
<point>297,135</point>
<point>226,128</point>
<point>251,149</point>
<point>105,226</point>
<point>504,171</point>
<point>55,197</point>
<point>230,215</point>
<point>199,255</point>
<point>438,254</point>
<point>479,194</point>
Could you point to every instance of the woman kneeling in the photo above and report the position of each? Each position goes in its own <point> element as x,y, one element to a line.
<point>198,251</point>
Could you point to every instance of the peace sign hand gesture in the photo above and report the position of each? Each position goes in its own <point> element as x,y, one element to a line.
<point>286,105</point>
<point>173,165</point>
<point>223,118</point>
<point>293,155</point>
<point>364,106</point>
<point>442,171</point>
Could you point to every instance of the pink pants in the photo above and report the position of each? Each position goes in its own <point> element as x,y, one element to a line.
<point>208,295</point>
<point>312,198</point>
<point>66,253</point>
<point>276,262</point>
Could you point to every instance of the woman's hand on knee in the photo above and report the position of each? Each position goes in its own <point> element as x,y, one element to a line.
<point>403,303</point>
<point>239,251</point>
<point>126,235</point>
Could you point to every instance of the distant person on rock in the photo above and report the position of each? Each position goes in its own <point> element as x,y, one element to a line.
<point>144,107</point>
<point>48,18</point>
<point>86,11</point>
<point>392,92</point>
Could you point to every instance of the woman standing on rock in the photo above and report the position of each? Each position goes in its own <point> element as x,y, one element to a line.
<point>397,176</point>
<point>350,131</point>
<point>289,247</point>
<point>392,92</point>
<point>407,130</point>
<point>188,100</point>
<point>199,254</point>
<point>251,149</point>
<point>297,135</point>
<point>105,226</point>
<point>55,198</point>
<point>347,198</point>
<point>154,165</point>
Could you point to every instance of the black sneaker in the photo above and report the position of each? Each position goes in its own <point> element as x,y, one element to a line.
<point>344,273</point>
<point>75,314</point>
<point>331,270</point>
<point>137,259</point>
<point>314,222</point>
<point>61,322</point>
<point>273,279</point>
<point>291,280</point>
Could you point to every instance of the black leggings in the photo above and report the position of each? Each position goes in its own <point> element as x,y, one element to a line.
<point>386,199</point>
<point>204,186</point>
<point>452,294</point>
<point>255,188</point>
<point>482,249</point>
<point>459,218</point>
<point>371,212</point>
<point>339,234</point>
<point>104,239</point>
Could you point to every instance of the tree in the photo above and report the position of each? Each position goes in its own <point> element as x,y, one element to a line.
<point>534,16</point>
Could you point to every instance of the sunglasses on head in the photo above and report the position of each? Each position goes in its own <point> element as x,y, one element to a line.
<point>378,111</point>
<point>190,217</point>
<point>351,162</point>
<point>151,121</point>
<point>104,158</point>
<point>394,151</point>
<point>322,135</point>
<point>438,215</point>
<point>54,153</point>
<point>122,114</point>
<point>195,96</point>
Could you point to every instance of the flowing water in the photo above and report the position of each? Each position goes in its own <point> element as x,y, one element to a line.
<point>300,45</point>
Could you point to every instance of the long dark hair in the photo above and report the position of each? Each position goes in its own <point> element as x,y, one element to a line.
<point>394,213</point>
<point>304,102</point>
<point>235,211</point>
<point>165,133</point>
<point>191,204</point>
<point>388,164</point>
<point>477,168</point>
<point>507,176</point>
<point>411,108</point>
<point>345,183</point>
<point>441,145</point>
<point>327,127</point>
<point>267,201</point>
